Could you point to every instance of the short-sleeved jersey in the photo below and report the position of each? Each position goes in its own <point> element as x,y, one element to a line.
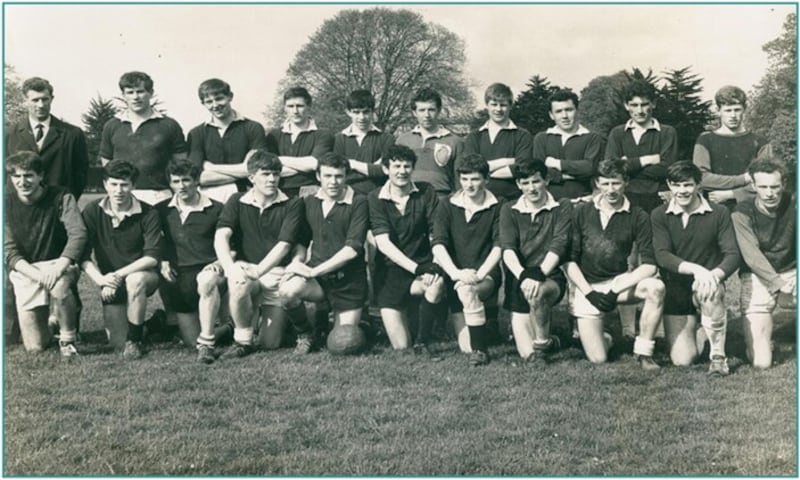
<point>510,142</point>
<point>313,142</point>
<point>345,225</point>
<point>532,233</point>
<point>189,234</point>
<point>658,139</point>
<point>468,240</point>
<point>372,148</point>
<point>579,154</point>
<point>436,154</point>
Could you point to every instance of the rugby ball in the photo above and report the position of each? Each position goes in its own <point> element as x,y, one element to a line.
<point>346,340</point>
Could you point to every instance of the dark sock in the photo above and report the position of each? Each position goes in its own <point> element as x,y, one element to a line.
<point>135,332</point>
<point>427,317</point>
<point>477,338</point>
<point>299,320</point>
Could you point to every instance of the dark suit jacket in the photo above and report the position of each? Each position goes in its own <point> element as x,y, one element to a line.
<point>66,159</point>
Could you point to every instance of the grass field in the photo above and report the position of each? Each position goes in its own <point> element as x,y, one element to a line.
<point>385,413</point>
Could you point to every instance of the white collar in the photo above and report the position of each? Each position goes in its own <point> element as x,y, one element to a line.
<point>557,131</point>
<point>458,199</point>
<point>125,115</point>
<point>204,203</point>
<point>522,206</point>
<point>654,125</point>
<point>289,127</point>
<point>349,193</point>
<point>118,217</point>
<point>350,131</point>
<point>511,126</point>
<point>249,199</point>
<point>675,209</point>
<point>215,123</point>
<point>441,132</point>
<point>45,123</point>
<point>626,205</point>
<point>386,194</point>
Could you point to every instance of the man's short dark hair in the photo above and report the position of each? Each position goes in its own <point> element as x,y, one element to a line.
<point>768,165</point>
<point>399,153</point>
<point>473,163</point>
<point>212,87</point>
<point>610,168</point>
<point>360,99</point>
<point>121,170</point>
<point>37,84</point>
<point>180,167</point>
<point>641,89</point>
<point>684,171</point>
<point>297,92</point>
<point>528,168</point>
<point>24,160</point>
<point>730,95</point>
<point>563,95</point>
<point>134,79</point>
<point>260,159</point>
<point>333,160</point>
<point>427,95</point>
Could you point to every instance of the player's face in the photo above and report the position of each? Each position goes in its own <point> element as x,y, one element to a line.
<point>473,183</point>
<point>685,192</point>
<point>499,110</point>
<point>38,104</point>
<point>27,183</point>
<point>612,189</point>
<point>332,181</point>
<point>427,114</point>
<point>265,182</point>
<point>640,109</point>
<point>731,116</point>
<point>399,172</point>
<point>119,190</point>
<point>361,118</point>
<point>297,112</point>
<point>185,187</point>
<point>534,189</point>
<point>219,105</point>
<point>769,188</point>
<point>137,98</point>
<point>565,115</point>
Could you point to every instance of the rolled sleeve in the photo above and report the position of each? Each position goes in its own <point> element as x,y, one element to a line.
<point>359,223</point>
<point>562,230</point>
<point>509,231</point>
<point>644,238</point>
<point>153,237</point>
<point>378,221</point>
<point>441,227</point>
<point>290,227</point>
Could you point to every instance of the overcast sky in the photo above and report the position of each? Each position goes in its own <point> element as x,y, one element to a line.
<point>251,46</point>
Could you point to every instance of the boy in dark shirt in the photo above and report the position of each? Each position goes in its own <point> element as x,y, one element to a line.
<point>604,233</point>
<point>466,243</point>
<point>338,219</point>
<point>535,236</point>
<point>695,248</point>
<point>401,215</point>
<point>44,239</point>
<point>191,277</point>
<point>766,230</point>
<point>126,239</point>
<point>261,226</point>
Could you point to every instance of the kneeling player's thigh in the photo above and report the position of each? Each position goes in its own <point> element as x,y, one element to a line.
<point>396,326</point>
<point>591,331</point>
<point>34,329</point>
<point>145,281</point>
<point>680,331</point>
<point>115,320</point>
<point>181,295</point>
<point>552,290</point>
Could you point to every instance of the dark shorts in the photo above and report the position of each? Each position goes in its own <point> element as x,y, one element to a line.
<point>392,287</point>
<point>454,303</point>
<point>679,298</point>
<point>181,296</point>
<point>515,300</point>
<point>345,289</point>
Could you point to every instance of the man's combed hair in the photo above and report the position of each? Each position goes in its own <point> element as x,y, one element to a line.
<point>474,163</point>
<point>297,92</point>
<point>427,94</point>
<point>399,153</point>
<point>611,168</point>
<point>360,99</point>
<point>730,95</point>
<point>563,95</point>
<point>768,165</point>
<point>37,84</point>
<point>121,170</point>
<point>641,89</point>
<point>24,160</point>
<point>134,79</point>
<point>333,160</point>
<point>684,171</point>
<point>498,92</point>
<point>260,159</point>
<point>180,167</point>
<point>213,87</point>
<point>528,168</point>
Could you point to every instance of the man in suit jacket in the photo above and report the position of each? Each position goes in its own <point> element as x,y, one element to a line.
<point>61,146</point>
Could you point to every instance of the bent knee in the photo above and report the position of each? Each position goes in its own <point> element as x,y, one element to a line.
<point>136,284</point>
<point>62,289</point>
<point>207,283</point>
<point>654,290</point>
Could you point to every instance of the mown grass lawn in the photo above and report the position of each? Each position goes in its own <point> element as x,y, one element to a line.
<point>385,413</point>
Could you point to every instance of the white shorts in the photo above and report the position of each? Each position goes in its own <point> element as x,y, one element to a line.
<point>29,293</point>
<point>756,297</point>
<point>152,197</point>
<point>580,307</point>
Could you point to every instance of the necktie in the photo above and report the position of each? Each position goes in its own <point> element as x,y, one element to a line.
<point>39,132</point>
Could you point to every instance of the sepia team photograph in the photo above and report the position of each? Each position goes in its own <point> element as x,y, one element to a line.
<point>391,240</point>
